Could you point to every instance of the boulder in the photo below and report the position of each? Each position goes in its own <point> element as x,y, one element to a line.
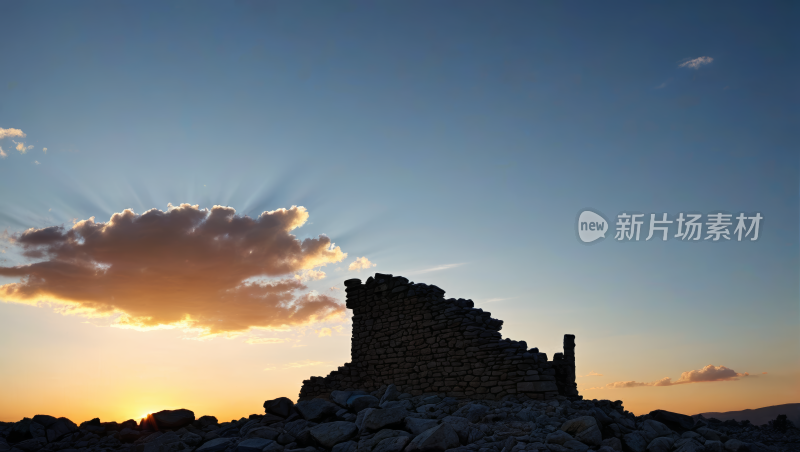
<point>316,409</point>
<point>253,445</point>
<point>734,445</point>
<point>396,444</point>
<point>576,446</point>
<point>713,446</point>
<point>558,437</point>
<point>366,444</point>
<point>417,425</point>
<point>273,447</point>
<point>709,434</point>
<point>340,397</point>
<point>173,419</point>
<point>661,444</point>
<point>300,430</point>
<point>31,445</point>
<point>347,446</point>
<point>333,433</point>
<point>380,419</point>
<point>601,417</point>
<point>689,445</point>
<point>60,428</point>
<point>675,421</point>
<point>584,429</point>
<point>473,412</point>
<point>205,421</point>
<point>436,439</point>
<point>269,419</point>
<point>192,439</point>
<point>357,403</point>
<point>634,442</point>
<point>263,432</point>
<point>613,443</point>
<point>215,445</point>
<point>391,394</point>
<point>128,435</point>
<point>461,426</point>
<point>249,425</point>
<point>361,416</point>
<point>654,429</point>
<point>281,406</point>
<point>44,420</point>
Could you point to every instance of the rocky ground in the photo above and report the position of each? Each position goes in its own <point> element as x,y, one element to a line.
<point>390,421</point>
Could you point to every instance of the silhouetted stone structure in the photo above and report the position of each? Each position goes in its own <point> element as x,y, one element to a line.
<point>410,335</point>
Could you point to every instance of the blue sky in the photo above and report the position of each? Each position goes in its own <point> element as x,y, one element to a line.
<point>425,135</point>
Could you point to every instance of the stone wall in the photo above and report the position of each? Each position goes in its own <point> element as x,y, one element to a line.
<point>410,335</point>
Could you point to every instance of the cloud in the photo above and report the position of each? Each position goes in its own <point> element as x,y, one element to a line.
<point>591,374</point>
<point>184,267</point>
<point>360,263</point>
<point>436,269</point>
<point>45,150</point>
<point>36,162</point>
<point>22,148</point>
<point>5,133</point>
<point>310,275</point>
<point>3,153</point>
<point>324,332</point>
<point>706,374</point>
<point>264,340</point>
<point>306,363</point>
<point>697,62</point>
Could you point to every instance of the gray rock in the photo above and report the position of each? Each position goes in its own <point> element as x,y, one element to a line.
<point>129,435</point>
<point>366,444</point>
<point>31,445</point>
<point>418,425</point>
<point>693,435</point>
<point>734,445</point>
<point>263,432</point>
<point>713,446</point>
<point>273,447</point>
<point>340,397</point>
<point>215,445</point>
<point>584,429</point>
<point>707,433</point>
<point>473,412</point>
<point>405,404</point>
<point>37,430</point>
<point>576,446</point>
<point>557,448</point>
<point>634,442</point>
<point>613,443</point>
<point>361,416</point>
<point>688,445</point>
<point>192,439</point>
<point>316,409</point>
<point>654,429</point>
<point>380,419</point>
<point>60,428</point>
<point>462,428</point>
<point>173,419</point>
<point>281,406</point>
<point>347,446</point>
<point>358,403</point>
<point>44,420</point>
<point>675,421</point>
<point>396,444</point>
<point>391,394</point>
<point>253,445</point>
<point>4,446</point>
<point>601,417</point>
<point>333,433</point>
<point>662,444</point>
<point>436,439</point>
<point>558,437</point>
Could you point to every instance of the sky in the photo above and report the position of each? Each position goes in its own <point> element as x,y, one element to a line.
<point>184,187</point>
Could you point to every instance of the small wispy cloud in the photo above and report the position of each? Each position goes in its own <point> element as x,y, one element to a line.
<point>696,62</point>
<point>360,263</point>
<point>309,275</point>
<point>591,374</point>
<point>306,363</point>
<point>264,340</point>
<point>45,150</point>
<point>36,162</point>
<point>22,148</point>
<point>437,268</point>
<point>6,133</point>
<point>324,332</point>
<point>3,153</point>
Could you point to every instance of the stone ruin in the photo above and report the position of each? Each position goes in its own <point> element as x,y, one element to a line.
<point>409,335</point>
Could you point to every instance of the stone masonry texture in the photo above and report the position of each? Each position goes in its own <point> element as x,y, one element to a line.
<point>409,335</point>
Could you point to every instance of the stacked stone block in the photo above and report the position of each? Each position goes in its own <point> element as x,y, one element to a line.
<point>409,335</point>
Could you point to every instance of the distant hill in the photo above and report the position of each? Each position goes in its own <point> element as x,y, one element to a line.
<point>760,416</point>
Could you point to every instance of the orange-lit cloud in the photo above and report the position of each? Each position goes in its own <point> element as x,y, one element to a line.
<point>5,133</point>
<point>188,267</point>
<point>324,332</point>
<point>264,340</point>
<point>3,153</point>
<point>360,263</point>
<point>706,374</point>
<point>591,374</point>
<point>22,148</point>
<point>310,275</point>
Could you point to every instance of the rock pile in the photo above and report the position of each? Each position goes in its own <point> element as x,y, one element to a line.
<point>409,335</point>
<point>388,420</point>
